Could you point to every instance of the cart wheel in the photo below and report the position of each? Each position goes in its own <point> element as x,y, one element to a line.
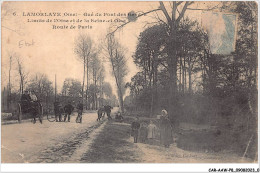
<point>19,113</point>
<point>51,117</point>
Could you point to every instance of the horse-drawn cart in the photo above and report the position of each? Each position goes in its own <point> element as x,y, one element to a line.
<point>29,110</point>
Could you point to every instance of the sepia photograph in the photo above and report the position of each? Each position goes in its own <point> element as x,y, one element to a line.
<point>129,82</point>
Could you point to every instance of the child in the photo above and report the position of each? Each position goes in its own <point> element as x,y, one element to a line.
<point>135,128</point>
<point>151,132</point>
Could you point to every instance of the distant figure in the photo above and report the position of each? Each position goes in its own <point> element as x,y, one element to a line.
<point>151,132</point>
<point>101,113</point>
<point>119,117</point>
<point>57,110</point>
<point>80,111</point>
<point>68,108</point>
<point>135,128</point>
<point>108,111</point>
<point>143,133</point>
<point>166,137</point>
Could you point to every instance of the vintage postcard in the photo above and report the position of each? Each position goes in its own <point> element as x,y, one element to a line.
<point>129,82</point>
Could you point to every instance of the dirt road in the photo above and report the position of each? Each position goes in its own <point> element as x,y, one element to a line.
<point>50,141</point>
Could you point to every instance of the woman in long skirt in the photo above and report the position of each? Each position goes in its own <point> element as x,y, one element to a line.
<point>165,129</point>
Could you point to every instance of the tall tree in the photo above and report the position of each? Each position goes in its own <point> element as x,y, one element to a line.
<point>96,69</point>
<point>9,91</point>
<point>116,55</point>
<point>173,15</point>
<point>23,75</point>
<point>173,19</point>
<point>150,55</point>
<point>83,48</point>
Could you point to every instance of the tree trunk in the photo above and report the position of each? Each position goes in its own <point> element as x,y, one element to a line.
<point>152,88</point>
<point>87,85</point>
<point>180,78</point>
<point>3,100</point>
<point>183,76</point>
<point>172,63</point>
<point>9,86</point>
<point>190,87</point>
<point>145,74</point>
<point>121,102</point>
<point>155,82</point>
<point>83,83</point>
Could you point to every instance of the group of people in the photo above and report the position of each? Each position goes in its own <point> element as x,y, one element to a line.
<point>150,133</point>
<point>29,100</point>
<point>67,110</point>
<point>104,110</point>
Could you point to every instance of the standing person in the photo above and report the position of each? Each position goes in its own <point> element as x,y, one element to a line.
<point>80,110</point>
<point>34,105</point>
<point>151,132</point>
<point>165,129</point>
<point>100,113</point>
<point>135,128</point>
<point>108,111</point>
<point>68,108</point>
<point>57,110</point>
<point>143,133</point>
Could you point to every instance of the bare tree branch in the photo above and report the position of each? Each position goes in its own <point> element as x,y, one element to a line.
<point>162,7</point>
<point>183,11</point>
<point>179,3</point>
<point>140,15</point>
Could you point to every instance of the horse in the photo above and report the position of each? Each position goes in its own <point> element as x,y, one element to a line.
<point>68,110</point>
<point>101,113</point>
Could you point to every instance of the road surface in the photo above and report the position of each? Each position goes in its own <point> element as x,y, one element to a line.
<point>49,142</point>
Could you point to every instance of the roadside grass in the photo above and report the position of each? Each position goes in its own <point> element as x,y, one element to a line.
<point>112,146</point>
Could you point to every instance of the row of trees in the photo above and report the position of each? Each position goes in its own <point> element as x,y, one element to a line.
<point>100,93</point>
<point>94,94</point>
<point>90,57</point>
<point>38,83</point>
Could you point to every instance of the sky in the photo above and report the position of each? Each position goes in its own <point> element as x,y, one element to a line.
<point>51,51</point>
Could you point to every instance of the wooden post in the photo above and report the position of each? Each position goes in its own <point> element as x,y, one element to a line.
<point>3,100</point>
<point>55,88</point>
